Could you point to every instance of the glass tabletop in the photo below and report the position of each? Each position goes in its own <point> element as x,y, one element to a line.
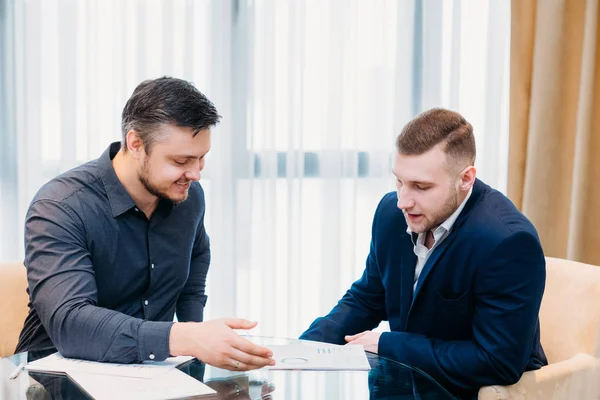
<point>387,380</point>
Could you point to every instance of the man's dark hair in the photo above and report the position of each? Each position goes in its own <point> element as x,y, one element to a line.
<point>436,126</point>
<point>166,100</point>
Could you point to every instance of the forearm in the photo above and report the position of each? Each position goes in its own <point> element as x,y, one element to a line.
<point>88,332</point>
<point>361,308</point>
<point>347,318</point>
<point>462,364</point>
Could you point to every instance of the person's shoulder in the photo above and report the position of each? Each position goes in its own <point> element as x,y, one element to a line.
<point>496,218</point>
<point>387,206</point>
<point>80,181</point>
<point>388,215</point>
<point>388,202</point>
<point>64,198</point>
<point>499,233</point>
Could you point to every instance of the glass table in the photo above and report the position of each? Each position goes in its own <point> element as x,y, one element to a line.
<point>387,380</point>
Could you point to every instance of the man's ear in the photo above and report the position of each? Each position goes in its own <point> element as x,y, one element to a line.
<point>467,178</point>
<point>134,143</point>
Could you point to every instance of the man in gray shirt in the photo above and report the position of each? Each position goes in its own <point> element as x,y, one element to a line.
<point>114,248</point>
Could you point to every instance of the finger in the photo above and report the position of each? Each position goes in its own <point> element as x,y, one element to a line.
<point>250,359</point>
<point>251,348</point>
<point>239,323</point>
<point>354,337</point>
<point>237,365</point>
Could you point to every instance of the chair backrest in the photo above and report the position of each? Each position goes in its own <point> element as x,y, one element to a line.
<point>570,311</point>
<point>13,305</point>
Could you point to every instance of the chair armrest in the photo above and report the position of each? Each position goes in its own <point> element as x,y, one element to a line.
<point>568,379</point>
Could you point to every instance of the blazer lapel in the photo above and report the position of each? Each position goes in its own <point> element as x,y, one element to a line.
<point>408,262</point>
<point>433,260</point>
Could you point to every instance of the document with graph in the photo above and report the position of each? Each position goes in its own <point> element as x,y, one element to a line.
<point>320,356</point>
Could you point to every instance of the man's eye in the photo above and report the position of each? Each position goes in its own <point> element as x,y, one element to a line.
<point>422,187</point>
<point>179,162</point>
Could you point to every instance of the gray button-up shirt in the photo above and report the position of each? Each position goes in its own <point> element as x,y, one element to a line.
<point>104,281</point>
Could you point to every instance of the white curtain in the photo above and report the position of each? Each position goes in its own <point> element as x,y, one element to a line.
<point>312,93</point>
<point>71,65</point>
<point>328,86</point>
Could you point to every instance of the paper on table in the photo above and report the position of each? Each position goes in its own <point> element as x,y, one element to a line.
<point>148,369</point>
<point>171,385</point>
<point>301,356</point>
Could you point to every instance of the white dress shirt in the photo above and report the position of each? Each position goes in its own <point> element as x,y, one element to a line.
<point>440,233</point>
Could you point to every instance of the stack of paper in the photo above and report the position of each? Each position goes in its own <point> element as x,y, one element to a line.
<point>149,380</point>
<point>304,356</point>
<point>148,369</point>
<point>171,385</point>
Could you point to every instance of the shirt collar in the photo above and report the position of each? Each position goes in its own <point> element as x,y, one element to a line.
<point>119,199</point>
<point>449,222</point>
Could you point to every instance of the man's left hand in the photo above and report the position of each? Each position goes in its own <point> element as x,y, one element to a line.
<point>369,340</point>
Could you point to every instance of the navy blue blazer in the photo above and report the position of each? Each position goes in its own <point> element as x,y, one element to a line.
<point>472,320</point>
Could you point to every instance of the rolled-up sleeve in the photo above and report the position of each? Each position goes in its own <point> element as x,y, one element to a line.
<point>63,292</point>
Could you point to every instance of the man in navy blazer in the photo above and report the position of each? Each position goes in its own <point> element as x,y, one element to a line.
<point>454,267</point>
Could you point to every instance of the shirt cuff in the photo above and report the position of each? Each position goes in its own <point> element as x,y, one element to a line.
<point>153,340</point>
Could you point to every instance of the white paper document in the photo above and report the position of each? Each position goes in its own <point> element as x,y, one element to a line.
<point>148,369</point>
<point>171,385</point>
<point>302,356</point>
<point>148,380</point>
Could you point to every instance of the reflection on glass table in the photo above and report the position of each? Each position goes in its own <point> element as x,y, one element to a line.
<point>387,380</point>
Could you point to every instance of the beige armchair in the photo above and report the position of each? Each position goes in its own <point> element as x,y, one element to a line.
<point>13,305</point>
<point>570,335</point>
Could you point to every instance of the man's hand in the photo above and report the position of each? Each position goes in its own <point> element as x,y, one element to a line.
<point>215,343</point>
<point>369,340</point>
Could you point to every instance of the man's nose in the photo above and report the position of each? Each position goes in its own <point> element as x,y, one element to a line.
<point>193,175</point>
<point>404,200</point>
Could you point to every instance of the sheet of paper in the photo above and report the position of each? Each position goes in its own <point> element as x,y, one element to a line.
<point>148,369</point>
<point>171,385</point>
<point>322,357</point>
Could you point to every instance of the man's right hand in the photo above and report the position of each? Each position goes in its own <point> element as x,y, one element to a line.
<point>215,343</point>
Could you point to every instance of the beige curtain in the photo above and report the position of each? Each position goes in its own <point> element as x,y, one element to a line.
<point>554,154</point>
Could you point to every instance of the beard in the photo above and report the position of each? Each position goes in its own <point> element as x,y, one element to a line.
<point>144,178</point>
<point>450,205</point>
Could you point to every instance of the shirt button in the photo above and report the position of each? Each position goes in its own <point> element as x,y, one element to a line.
<point>151,356</point>
<point>152,266</point>
<point>137,209</point>
<point>146,302</point>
